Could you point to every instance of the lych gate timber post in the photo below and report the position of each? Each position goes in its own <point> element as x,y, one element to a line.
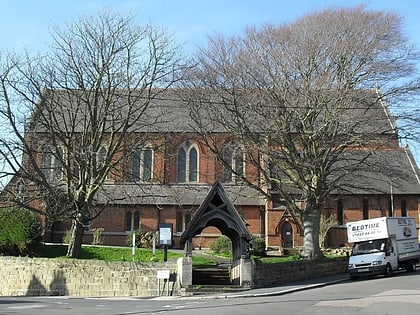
<point>218,211</point>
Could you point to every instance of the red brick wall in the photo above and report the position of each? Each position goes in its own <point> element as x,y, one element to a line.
<point>165,170</point>
<point>352,208</point>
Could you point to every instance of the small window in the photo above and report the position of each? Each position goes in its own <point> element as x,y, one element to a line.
<point>142,164</point>
<point>132,220</point>
<point>403,208</point>
<point>147,164</point>
<point>192,165</point>
<point>234,160</point>
<point>365,209</point>
<point>340,212</point>
<point>52,163</point>
<point>101,157</point>
<point>238,164</point>
<point>182,164</point>
<point>183,217</point>
<point>47,161</point>
<point>135,165</point>
<point>20,188</point>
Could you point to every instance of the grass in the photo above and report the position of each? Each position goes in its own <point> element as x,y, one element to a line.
<point>277,259</point>
<point>201,262</point>
<point>286,259</point>
<point>227,255</point>
<point>107,253</point>
<point>117,254</point>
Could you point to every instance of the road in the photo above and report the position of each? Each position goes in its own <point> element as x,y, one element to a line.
<point>399,294</point>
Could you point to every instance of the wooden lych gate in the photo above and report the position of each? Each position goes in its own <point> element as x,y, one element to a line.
<point>218,211</point>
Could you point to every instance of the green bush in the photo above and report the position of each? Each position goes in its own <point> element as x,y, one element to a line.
<point>144,239</point>
<point>67,237</point>
<point>257,245</point>
<point>223,245</point>
<point>20,231</point>
<point>97,236</point>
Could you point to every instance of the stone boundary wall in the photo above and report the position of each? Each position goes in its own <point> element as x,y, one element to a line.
<point>266,275</point>
<point>93,278</point>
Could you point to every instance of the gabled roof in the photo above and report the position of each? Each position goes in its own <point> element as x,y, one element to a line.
<point>169,111</point>
<point>370,172</point>
<point>380,170</point>
<point>217,210</point>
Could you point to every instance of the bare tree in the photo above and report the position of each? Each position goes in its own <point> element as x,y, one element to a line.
<point>325,224</point>
<point>298,96</point>
<point>88,101</point>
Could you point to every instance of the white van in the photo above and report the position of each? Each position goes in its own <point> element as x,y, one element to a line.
<point>382,245</point>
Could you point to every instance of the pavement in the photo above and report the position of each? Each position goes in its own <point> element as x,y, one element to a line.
<point>269,291</point>
<point>289,287</point>
<point>277,290</point>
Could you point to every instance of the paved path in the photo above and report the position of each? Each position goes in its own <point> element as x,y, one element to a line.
<point>209,255</point>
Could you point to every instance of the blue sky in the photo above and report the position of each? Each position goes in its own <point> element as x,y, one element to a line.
<point>26,23</point>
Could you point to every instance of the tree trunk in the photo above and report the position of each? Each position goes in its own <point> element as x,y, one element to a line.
<point>75,244</point>
<point>311,248</point>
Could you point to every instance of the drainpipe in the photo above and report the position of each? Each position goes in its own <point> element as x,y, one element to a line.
<point>392,198</point>
<point>266,226</point>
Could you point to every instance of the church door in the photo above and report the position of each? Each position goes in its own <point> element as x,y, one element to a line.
<point>287,235</point>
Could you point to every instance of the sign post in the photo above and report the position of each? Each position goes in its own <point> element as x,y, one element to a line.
<point>163,274</point>
<point>165,238</point>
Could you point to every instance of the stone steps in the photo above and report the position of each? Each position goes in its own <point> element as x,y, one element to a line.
<point>291,251</point>
<point>211,277</point>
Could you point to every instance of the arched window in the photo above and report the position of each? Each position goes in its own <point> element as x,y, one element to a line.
<point>20,188</point>
<point>187,166</point>
<point>101,157</point>
<point>142,164</point>
<point>183,217</point>
<point>182,164</point>
<point>234,160</point>
<point>192,165</point>
<point>52,163</point>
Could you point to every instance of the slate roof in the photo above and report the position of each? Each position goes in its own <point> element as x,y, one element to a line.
<point>169,111</point>
<point>380,170</point>
<point>176,194</point>
<point>166,111</point>
<point>363,172</point>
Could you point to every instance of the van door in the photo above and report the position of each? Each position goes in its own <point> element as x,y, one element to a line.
<point>391,253</point>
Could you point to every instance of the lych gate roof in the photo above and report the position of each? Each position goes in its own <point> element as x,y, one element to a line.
<point>217,210</point>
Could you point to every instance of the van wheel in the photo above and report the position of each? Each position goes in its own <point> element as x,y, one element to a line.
<point>411,266</point>
<point>388,270</point>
